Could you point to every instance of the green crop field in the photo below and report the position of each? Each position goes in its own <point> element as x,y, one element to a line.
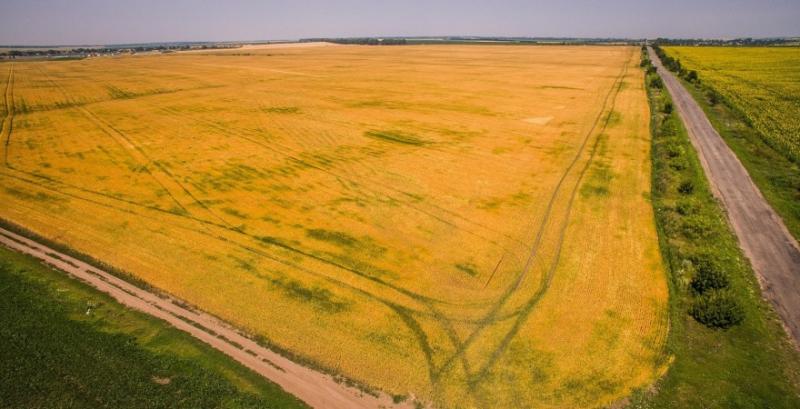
<point>762,82</point>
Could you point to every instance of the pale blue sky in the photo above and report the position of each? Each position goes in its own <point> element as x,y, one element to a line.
<point>115,21</point>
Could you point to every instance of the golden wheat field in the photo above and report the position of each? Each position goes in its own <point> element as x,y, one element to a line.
<point>469,225</point>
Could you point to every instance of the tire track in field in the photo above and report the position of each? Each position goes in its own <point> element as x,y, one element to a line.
<point>163,176</point>
<point>204,232</point>
<point>185,216</point>
<point>445,322</point>
<point>173,187</point>
<point>87,114</point>
<point>528,308</point>
<point>191,218</point>
<point>306,163</point>
<point>294,156</point>
<point>405,313</point>
<point>491,317</point>
<point>8,120</point>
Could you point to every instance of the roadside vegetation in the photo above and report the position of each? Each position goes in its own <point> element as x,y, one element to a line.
<point>726,343</point>
<point>68,345</point>
<point>773,168</point>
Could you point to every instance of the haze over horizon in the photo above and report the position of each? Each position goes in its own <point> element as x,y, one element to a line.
<point>63,22</point>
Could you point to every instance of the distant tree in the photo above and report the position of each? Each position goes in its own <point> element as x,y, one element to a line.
<point>360,40</point>
<point>731,42</point>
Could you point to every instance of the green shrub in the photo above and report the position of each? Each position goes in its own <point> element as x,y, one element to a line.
<point>678,164</point>
<point>696,227</point>
<point>668,128</point>
<point>686,207</point>
<point>717,309</point>
<point>667,108</point>
<point>674,150</point>
<point>708,275</point>
<point>657,83</point>
<point>686,187</point>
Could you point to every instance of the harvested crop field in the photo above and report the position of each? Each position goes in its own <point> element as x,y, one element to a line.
<point>469,225</point>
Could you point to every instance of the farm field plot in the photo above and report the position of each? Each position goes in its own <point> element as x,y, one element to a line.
<point>469,225</point>
<point>762,82</point>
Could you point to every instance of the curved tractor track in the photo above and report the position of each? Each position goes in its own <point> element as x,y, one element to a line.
<point>8,119</point>
<point>520,314</point>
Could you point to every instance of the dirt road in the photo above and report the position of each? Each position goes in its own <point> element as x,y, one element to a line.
<point>316,389</point>
<point>772,251</point>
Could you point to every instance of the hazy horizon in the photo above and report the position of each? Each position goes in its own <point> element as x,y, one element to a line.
<point>96,22</point>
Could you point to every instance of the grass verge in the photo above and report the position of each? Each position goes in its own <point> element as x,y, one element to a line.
<point>751,365</point>
<point>66,344</point>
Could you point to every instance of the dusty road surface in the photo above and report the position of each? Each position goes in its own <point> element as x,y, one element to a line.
<point>316,389</point>
<point>772,251</point>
